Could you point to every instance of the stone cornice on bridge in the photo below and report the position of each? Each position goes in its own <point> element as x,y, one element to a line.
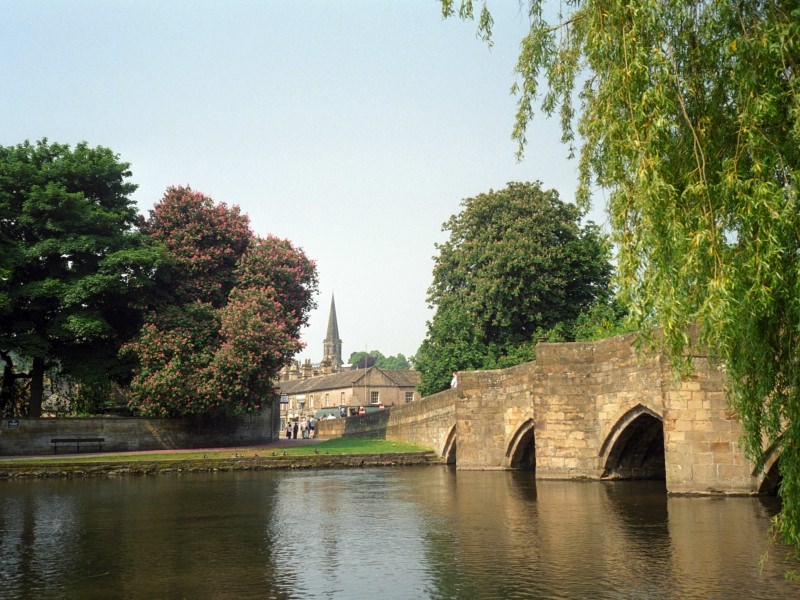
<point>581,410</point>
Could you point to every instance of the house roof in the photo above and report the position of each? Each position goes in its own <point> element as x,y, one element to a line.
<point>402,377</point>
<point>345,379</point>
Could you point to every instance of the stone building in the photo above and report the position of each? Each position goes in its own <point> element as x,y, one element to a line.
<point>328,389</point>
<point>347,392</point>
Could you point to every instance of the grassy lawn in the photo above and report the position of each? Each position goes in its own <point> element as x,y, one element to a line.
<point>333,446</point>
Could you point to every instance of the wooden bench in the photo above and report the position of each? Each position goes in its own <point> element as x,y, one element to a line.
<point>98,442</point>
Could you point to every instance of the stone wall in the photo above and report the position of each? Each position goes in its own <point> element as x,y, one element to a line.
<point>702,437</point>
<point>579,399</point>
<point>426,422</point>
<point>492,405</point>
<point>26,437</point>
<point>576,408</point>
<point>622,382</point>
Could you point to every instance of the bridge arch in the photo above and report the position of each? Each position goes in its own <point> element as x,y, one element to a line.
<point>768,475</point>
<point>449,449</point>
<point>521,451</point>
<point>634,448</point>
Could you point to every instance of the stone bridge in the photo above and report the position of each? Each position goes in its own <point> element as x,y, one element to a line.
<point>583,411</point>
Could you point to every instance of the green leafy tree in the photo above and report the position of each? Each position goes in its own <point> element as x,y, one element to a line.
<point>602,320</point>
<point>689,117</point>
<point>364,359</point>
<point>232,319</point>
<point>397,362</point>
<point>74,269</point>
<point>517,262</point>
<point>452,343</point>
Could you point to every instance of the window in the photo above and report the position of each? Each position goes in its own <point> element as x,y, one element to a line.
<point>327,400</point>
<point>341,400</point>
<point>409,396</point>
<point>374,398</point>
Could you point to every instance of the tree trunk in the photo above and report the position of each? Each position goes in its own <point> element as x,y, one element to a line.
<point>37,388</point>
<point>7,384</point>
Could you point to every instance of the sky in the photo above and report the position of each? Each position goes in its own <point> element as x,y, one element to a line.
<point>352,128</point>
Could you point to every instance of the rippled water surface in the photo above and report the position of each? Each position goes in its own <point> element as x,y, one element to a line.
<point>423,532</point>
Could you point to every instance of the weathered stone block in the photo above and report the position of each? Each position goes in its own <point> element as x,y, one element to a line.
<point>704,473</point>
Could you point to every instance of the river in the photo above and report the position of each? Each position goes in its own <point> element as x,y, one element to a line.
<point>416,532</point>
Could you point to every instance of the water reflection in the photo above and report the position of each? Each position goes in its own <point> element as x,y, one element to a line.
<point>393,533</point>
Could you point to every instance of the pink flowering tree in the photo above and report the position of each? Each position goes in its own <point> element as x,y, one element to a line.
<point>276,264</point>
<point>232,318</point>
<point>204,240</point>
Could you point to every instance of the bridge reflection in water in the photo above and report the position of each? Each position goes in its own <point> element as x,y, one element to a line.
<point>421,532</point>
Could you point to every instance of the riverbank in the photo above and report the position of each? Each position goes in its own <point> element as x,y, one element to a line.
<point>286,454</point>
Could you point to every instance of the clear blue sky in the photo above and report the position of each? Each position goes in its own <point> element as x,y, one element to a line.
<point>352,128</point>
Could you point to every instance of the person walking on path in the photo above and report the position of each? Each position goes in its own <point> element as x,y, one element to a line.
<point>312,427</point>
<point>288,430</point>
<point>294,430</point>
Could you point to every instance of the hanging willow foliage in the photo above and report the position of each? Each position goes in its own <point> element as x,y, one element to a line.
<point>687,113</point>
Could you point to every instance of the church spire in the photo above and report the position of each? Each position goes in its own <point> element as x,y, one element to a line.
<point>332,346</point>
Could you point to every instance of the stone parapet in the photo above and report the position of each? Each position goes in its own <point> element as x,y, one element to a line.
<point>581,410</point>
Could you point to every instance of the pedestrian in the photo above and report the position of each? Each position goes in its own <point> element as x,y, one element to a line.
<point>312,427</point>
<point>288,430</point>
<point>304,429</point>
<point>454,380</point>
<point>294,430</point>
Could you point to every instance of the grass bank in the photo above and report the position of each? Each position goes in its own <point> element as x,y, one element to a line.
<point>336,447</point>
<point>334,453</point>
